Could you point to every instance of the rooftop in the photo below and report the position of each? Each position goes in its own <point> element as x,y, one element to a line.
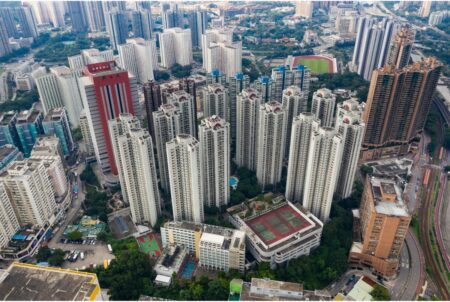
<point>278,285</point>
<point>387,197</point>
<point>27,116</point>
<point>33,283</point>
<point>278,224</point>
<point>6,117</point>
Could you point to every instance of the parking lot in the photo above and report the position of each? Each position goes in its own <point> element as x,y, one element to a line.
<point>93,254</point>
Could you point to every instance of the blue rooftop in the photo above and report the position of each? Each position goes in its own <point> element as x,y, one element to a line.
<point>239,75</point>
<point>300,67</point>
<point>281,68</point>
<point>215,72</point>
<point>264,79</point>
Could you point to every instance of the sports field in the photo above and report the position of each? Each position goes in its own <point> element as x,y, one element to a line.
<point>149,244</point>
<point>317,64</point>
<point>277,224</point>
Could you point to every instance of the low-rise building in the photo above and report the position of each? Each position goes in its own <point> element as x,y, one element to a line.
<point>39,283</point>
<point>273,290</point>
<point>171,261</point>
<point>280,232</point>
<point>215,247</point>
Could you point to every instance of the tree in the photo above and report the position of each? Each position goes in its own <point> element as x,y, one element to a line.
<point>75,235</point>
<point>161,75</point>
<point>380,293</point>
<point>366,169</point>
<point>43,254</point>
<point>76,134</point>
<point>89,176</point>
<point>179,71</point>
<point>127,276</point>
<point>57,258</point>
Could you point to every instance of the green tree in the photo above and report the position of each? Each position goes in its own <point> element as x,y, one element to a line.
<point>57,258</point>
<point>179,71</point>
<point>43,254</point>
<point>127,276</point>
<point>75,235</point>
<point>161,75</point>
<point>366,169</point>
<point>380,293</point>
<point>76,134</point>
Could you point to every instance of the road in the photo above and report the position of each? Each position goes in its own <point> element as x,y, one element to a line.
<point>411,275</point>
<point>425,227</point>
<point>71,213</point>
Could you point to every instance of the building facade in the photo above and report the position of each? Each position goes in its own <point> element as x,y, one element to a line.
<point>303,127</point>
<point>107,91</point>
<point>186,180</point>
<point>248,103</point>
<point>271,141</point>
<point>322,171</point>
<point>323,105</point>
<point>214,137</point>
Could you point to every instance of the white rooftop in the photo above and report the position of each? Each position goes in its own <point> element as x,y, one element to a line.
<point>212,238</point>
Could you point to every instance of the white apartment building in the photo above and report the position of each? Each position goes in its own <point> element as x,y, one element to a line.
<point>350,125</point>
<point>90,56</point>
<point>175,47</point>
<point>215,101</point>
<point>55,169</point>
<point>60,88</point>
<point>323,103</point>
<point>214,137</point>
<point>215,247</point>
<point>294,102</point>
<point>139,57</point>
<point>185,102</point>
<point>185,176</point>
<point>10,224</point>
<point>167,124</point>
<point>322,171</point>
<point>84,127</point>
<point>271,135</point>
<point>69,91</point>
<point>138,167</point>
<point>220,52</point>
<point>117,127</point>
<point>248,103</point>
<point>303,126</point>
<point>49,92</point>
<point>31,192</point>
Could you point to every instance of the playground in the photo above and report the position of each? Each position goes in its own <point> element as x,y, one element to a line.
<point>149,244</point>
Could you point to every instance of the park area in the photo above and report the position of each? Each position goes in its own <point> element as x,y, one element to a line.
<point>149,244</point>
<point>317,64</point>
<point>277,224</point>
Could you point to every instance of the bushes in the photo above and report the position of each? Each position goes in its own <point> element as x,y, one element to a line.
<point>89,176</point>
<point>23,101</point>
<point>179,71</point>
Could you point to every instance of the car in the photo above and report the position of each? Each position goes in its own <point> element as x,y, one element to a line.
<point>84,241</point>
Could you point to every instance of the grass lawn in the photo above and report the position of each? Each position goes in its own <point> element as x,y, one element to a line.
<point>316,65</point>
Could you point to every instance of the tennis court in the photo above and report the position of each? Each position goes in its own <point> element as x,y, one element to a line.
<point>149,244</point>
<point>277,224</point>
